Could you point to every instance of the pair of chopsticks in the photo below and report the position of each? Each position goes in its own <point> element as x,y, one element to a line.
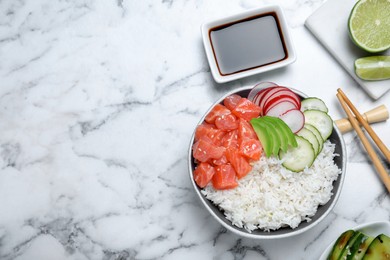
<point>355,120</point>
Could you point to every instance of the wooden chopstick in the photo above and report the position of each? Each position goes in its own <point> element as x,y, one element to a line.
<point>368,128</point>
<point>374,157</point>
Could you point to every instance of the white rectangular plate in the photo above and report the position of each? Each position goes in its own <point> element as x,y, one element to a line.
<point>329,25</point>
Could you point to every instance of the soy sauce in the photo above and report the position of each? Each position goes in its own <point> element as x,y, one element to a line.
<point>247,44</point>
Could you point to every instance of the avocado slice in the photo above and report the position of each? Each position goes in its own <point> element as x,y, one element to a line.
<point>274,137</point>
<point>274,134</point>
<point>340,244</point>
<point>362,248</point>
<point>287,134</point>
<point>283,138</point>
<point>263,134</point>
<point>379,248</point>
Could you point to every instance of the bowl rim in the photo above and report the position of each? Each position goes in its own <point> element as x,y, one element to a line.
<point>243,233</point>
<point>206,26</point>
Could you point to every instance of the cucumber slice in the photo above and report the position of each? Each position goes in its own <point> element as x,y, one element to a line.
<point>359,249</point>
<point>321,121</point>
<point>379,248</point>
<point>313,103</point>
<point>362,249</point>
<point>298,158</point>
<point>317,134</point>
<point>358,236</point>
<point>309,136</point>
<point>340,244</point>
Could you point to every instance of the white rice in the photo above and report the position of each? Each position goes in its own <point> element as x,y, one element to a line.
<point>271,197</point>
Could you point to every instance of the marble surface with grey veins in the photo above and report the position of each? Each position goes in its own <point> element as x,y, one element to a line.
<point>98,102</point>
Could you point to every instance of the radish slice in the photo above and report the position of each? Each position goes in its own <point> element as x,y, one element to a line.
<point>283,93</point>
<point>294,118</point>
<point>260,87</point>
<point>268,94</point>
<point>271,103</point>
<point>280,108</point>
<point>260,95</point>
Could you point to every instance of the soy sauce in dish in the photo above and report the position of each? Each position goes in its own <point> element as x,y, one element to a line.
<point>248,43</point>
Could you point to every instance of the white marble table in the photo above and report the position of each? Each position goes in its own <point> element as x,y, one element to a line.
<point>98,101</point>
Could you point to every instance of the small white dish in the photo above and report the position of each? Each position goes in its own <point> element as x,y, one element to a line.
<point>247,43</point>
<point>372,229</point>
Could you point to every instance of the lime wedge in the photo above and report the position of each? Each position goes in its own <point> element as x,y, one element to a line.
<point>373,67</point>
<point>369,25</point>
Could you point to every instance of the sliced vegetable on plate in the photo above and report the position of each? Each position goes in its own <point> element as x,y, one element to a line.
<point>356,245</point>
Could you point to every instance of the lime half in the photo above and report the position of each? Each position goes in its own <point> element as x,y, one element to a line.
<point>373,68</point>
<point>369,25</point>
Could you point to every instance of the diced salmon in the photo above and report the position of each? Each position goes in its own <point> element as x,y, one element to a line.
<point>220,161</point>
<point>217,137</point>
<point>239,163</point>
<point>209,131</point>
<point>225,143</point>
<point>226,122</point>
<point>231,101</point>
<point>230,140</point>
<point>246,109</point>
<point>203,130</point>
<point>216,111</point>
<point>251,148</point>
<point>245,130</point>
<point>203,174</point>
<point>224,177</point>
<point>202,150</point>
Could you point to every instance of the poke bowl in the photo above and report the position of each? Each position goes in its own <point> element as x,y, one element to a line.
<point>264,199</point>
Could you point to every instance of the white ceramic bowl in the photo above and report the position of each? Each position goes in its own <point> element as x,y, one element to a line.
<point>322,212</point>
<point>279,28</point>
